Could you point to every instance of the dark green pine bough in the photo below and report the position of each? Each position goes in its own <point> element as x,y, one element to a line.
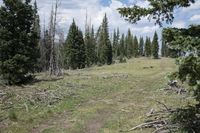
<point>105,48</point>
<point>19,38</point>
<point>155,46</point>
<point>187,42</point>
<point>74,48</point>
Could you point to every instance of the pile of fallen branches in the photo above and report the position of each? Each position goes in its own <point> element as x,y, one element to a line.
<point>173,86</point>
<point>158,120</point>
<point>46,97</point>
<point>24,99</point>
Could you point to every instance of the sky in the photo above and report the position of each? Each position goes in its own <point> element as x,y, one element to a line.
<point>69,9</point>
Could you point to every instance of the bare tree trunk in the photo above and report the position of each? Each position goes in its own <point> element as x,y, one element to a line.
<point>53,65</point>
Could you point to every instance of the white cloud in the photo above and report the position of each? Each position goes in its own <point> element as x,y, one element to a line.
<point>143,3</point>
<point>77,9</point>
<point>179,24</point>
<point>195,18</point>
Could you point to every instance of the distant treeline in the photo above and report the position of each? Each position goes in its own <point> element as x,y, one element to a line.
<point>25,48</point>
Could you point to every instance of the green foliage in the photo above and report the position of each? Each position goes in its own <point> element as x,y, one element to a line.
<point>93,47</point>
<point>159,10</point>
<point>166,51</point>
<point>81,57</point>
<point>130,47</point>
<point>19,38</point>
<point>121,48</point>
<point>187,119</point>
<point>147,47</point>
<point>104,48</point>
<point>187,41</point>
<point>164,48</point>
<point>141,46</point>
<point>155,46</point>
<point>90,44</point>
<point>115,44</point>
<point>74,48</point>
<point>135,47</point>
<point>12,115</point>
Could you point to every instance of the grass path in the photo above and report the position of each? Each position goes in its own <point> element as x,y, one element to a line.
<point>101,99</point>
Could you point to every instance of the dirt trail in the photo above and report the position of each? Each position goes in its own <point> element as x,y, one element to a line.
<point>95,124</point>
<point>55,121</point>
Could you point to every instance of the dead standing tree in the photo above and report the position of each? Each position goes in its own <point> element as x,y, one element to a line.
<point>53,68</point>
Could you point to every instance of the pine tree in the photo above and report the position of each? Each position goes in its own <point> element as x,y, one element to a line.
<point>129,44</point>
<point>126,46</point>
<point>80,48</point>
<point>141,47</point>
<point>117,43</point>
<point>164,48</point>
<point>169,52</point>
<point>97,39</point>
<point>18,41</point>
<point>135,47</point>
<point>147,47</point>
<point>104,48</point>
<point>121,49</point>
<point>74,48</point>
<point>36,27</point>
<point>93,47</point>
<point>36,24</point>
<point>114,44</point>
<point>155,46</point>
<point>88,46</point>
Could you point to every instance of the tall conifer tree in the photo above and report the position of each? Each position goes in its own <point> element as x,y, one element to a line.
<point>114,44</point>
<point>74,48</point>
<point>80,50</point>
<point>129,44</point>
<point>88,46</point>
<point>105,48</point>
<point>135,47</point>
<point>141,46</point>
<point>121,49</point>
<point>93,46</point>
<point>147,47</point>
<point>18,41</point>
<point>163,48</point>
<point>155,46</point>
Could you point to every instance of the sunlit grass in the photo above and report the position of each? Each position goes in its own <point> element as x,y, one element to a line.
<point>104,99</point>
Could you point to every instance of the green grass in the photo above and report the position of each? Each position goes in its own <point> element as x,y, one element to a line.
<point>104,99</point>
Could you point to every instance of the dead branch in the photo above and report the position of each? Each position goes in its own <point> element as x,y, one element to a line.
<point>163,105</point>
<point>149,124</point>
<point>159,120</point>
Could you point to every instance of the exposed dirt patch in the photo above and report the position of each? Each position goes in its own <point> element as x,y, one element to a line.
<point>59,120</point>
<point>94,125</point>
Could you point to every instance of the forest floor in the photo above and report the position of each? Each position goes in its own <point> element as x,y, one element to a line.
<point>106,99</point>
